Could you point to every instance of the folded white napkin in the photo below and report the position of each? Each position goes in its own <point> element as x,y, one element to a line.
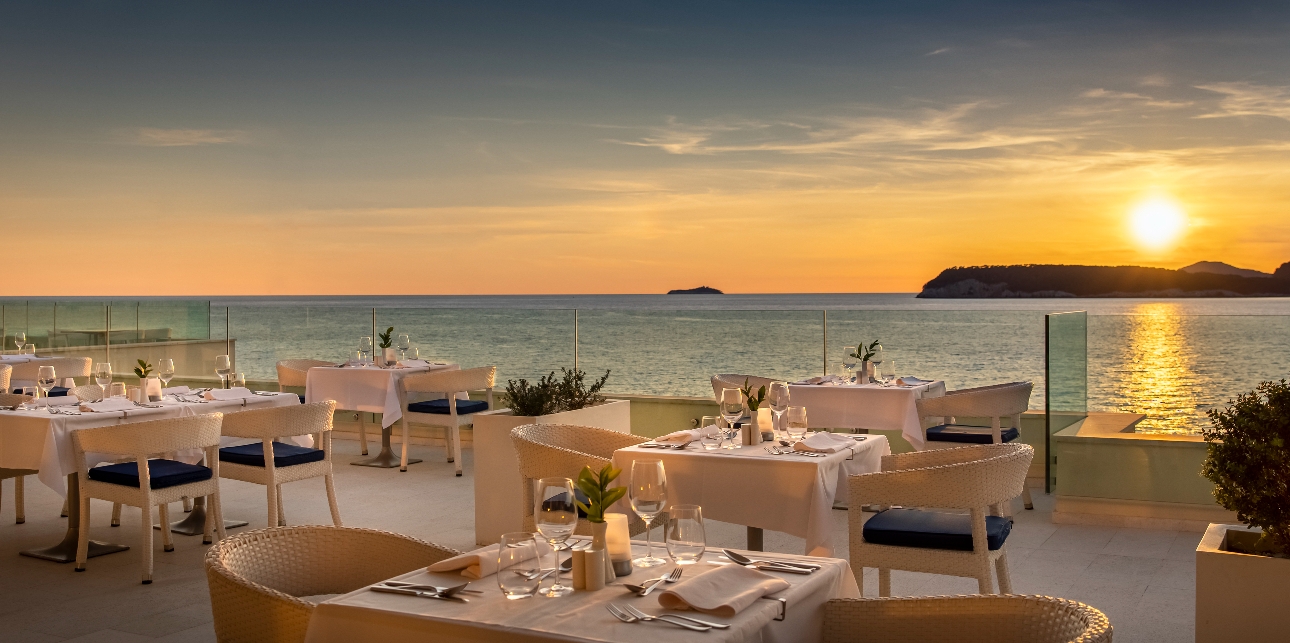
<point>816,381</point>
<point>413,363</point>
<point>235,393</point>
<point>689,435</point>
<point>108,405</point>
<point>911,381</point>
<point>482,562</point>
<point>176,390</point>
<point>724,591</point>
<point>61,400</point>
<point>824,442</point>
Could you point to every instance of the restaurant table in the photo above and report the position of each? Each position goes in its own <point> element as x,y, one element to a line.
<point>865,406</point>
<point>749,486</point>
<point>364,615</point>
<point>37,439</point>
<point>367,389</point>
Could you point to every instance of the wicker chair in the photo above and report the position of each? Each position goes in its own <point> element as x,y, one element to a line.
<point>995,402</point>
<point>6,373</point>
<point>562,450</point>
<point>980,479</point>
<point>448,383</point>
<point>964,619</point>
<point>256,578</point>
<point>87,392</point>
<point>731,380</point>
<point>19,487</point>
<point>65,368</point>
<point>273,463</point>
<point>146,482</point>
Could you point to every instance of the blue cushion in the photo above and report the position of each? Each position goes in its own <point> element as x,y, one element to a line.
<point>577,495</point>
<point>284,455</point>
<point>440,407</point>
<point>57,391</point>
<point>302,397</point>
<point>932,529</point>
<point>162,473</point>
<point>968,434</point>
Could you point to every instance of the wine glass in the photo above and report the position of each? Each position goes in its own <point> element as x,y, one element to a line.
<point>403,344</point>
<point>513,550</point>
<point>103,376</point>
<point>222,368</point>
<point>556,516</point>
<point>45,379</point>
<point>19,339</point>
<point>877,359</point>
<point>795,422</point>
<point>684,534</point>
<point>849,359</point>
<point>648,494</point>
<point>888,372</point>
<point>732,409</point>
<point>778,397</point>
<point>166,371</point>
<point>365,345</point>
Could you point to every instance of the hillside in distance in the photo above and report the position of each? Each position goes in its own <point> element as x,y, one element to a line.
<point>1041,280</point>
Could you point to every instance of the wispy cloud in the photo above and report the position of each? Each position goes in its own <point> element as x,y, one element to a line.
<point>1249,99</point>
<point>1142,99</point>
<point>940,51</point>
<point>160,137</point>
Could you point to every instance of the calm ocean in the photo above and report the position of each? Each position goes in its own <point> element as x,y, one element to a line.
<point>1168,358</point>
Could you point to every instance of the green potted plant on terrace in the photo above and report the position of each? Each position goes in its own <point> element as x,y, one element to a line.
<point>600,497</point>
<point>387,355</point>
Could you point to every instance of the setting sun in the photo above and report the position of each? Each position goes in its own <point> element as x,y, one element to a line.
<point>1157,222</point>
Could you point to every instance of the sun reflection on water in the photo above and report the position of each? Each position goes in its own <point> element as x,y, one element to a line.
<point>1159,378</point>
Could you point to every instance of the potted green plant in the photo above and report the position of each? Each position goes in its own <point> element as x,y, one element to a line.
<point>600,497</point>
<point>149,387</point>
<point>751,431</point>
<point>865,353</point>
<point>387,355</point>
<point>1243,571</point>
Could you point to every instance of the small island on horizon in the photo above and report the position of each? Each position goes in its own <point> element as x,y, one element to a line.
<point>1201,279</point>
<point>701,290</point>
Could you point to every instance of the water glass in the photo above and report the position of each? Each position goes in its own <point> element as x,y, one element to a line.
<point>648,495</point>
<point>414,353</point>
<point>556,516</point>
<point>27,391</point>
<point>710,435</point>
<point>795,422</point>
<point>222,368</point>
<point>236,380</point>
<point>356,358</point>
<point>518,564</point>
<point>684,535</point>
<point>117,389</point>
<point>888,372</point>
<point>19,340</point>
<point>732,409</point>
<point>29,349</point>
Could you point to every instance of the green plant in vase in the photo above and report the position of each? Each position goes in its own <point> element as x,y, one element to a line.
<point>143,370</point>
<point>386,342</point>
<point>866,353</point>
<point>754,400</point>
<point>600,497</point>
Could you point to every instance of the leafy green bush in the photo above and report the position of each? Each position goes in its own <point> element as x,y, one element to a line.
<point>550,395</point>
<point>1249,461</point>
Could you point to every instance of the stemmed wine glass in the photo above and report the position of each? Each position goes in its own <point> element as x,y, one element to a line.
<point>19,338</point>
<point>222,368</point>
<point>165,371</point>
<point>849,360</point>
<point>648,494</point>
<point>556,516</point>
<point>778,397</point>
<point>45,379</point>
<point>404,343</point>
<point>732,409</point>
<point>365,345</point>
<point>877,360</point>
<point>103,377</point>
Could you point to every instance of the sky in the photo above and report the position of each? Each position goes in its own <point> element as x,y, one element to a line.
<point>629,147</point>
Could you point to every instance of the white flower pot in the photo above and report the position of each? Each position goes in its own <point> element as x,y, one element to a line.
<point>1239,597</point>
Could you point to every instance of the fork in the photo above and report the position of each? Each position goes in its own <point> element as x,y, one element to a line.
<point>646,617</point>
<point>631,618</point>
<point>670,578</point>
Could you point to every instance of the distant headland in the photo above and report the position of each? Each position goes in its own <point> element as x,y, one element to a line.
<point>1203,279</point>
<point>701,290</point>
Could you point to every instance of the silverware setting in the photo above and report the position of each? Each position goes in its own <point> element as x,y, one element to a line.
<point>626,617</point>
<point>456,589</point>
<point>781,565</point>
<point>652,584</point>
<point>774,450</point>
<point>442,593</point>
<point>662,445</point>
<point>645,617</point>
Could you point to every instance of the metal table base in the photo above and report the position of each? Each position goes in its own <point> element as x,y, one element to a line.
<point>386,459</point>
<point>195,523</point>
<point>65,551</point>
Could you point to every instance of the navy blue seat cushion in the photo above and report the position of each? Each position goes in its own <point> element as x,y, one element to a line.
<point>563,498</point>
<point>302,397</point>
<point>162,473</point>
<point>284,455</point>
<point>57,391</point>
<point>440,407</point>
<point>968,434</point>
<point>932,529</point>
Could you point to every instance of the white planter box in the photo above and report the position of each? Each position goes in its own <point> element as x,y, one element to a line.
<point>497,471</point>
<point>1239,597</point>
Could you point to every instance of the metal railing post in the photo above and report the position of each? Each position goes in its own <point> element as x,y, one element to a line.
<point>826,341</point>
<point>575,339</point>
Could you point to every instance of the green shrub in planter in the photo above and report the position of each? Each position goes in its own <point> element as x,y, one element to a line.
<point>1249,462</point>
<point>550,395</point>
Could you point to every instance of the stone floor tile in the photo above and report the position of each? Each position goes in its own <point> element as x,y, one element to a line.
<point>169,622</point>
<point>111,636</point>
<point>1141,542</point>
<point>1079,538</point>
<point>200,634</point>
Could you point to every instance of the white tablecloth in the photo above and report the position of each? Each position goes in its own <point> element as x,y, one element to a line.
<point>748,486</point>
<point>865,406</point>
<point>365,615</point>
<point>38,440</point>
<point>21,359</point>
<point>366,389</point>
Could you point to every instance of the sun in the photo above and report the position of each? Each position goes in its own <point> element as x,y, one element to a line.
<point>1157,222</point>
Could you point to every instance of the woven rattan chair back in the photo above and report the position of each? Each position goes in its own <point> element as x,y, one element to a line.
<point>295,372</point>
<point>256,578</point>
<point>6,373</point>
<point>13,399</point>
<point>562,450</point>
<point>968,477</point>
<point>995,401</point>
<point>87,392</point>
<point>731,380</point>
<point>282,421</point>
<point>150,438</point>
<point>964,619</point>
<point>468,379</point>
<point>63,367</point>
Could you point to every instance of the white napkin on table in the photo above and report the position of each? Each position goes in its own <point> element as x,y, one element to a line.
<point>688,435</point>
<point>911,381</point>
<point>176,390</point>
<point>413,363</point>
<point>235,393</point>
<point>724,591</point>
<point>61,400</point>
<point>482,562</point>
<point>825,442</point>
<point>108,405</point>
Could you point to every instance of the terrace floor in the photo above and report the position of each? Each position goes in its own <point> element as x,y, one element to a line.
<point>1144,580</point>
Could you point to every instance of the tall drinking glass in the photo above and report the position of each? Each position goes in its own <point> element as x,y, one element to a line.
<point>19,340</point>
<point>222,368</point>
<point>795,422</point>
<point>46,379</point>
<point>778,397</point>
<point>556,516</point>
<point>888,372</point>
<point>26,392</point>
<point>403,344</point>
<point>414,353</point>
<point>518,564</point>
<point>710,435</point>
<point>29,349</point>
<point>732,409</point>
<point>365,345</point>
<point>648,494</point>
<point>103,376</point>
<point>116,389</point>
<point>684,534</point>
<point>166,372</point>
<point>236,380</point>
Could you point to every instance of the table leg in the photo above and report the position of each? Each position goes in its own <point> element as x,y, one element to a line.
<point>755,539</point>
<point>65,551</point>
<point>195,523</point>
<point>387,458</point>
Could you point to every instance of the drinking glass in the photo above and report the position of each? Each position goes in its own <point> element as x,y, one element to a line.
<point>518,564</point>
<point>778,397</point>
<point>888,372</point>
<point>103,376</point>
<point>356,358</point>
<point>19,340</point>
<point>365,345</point>
<point>28,391</point>
<point>556,516</point>
<point>648,494</point>
<point>222,368</point>
<point>684,534</point>
<point>165,371</point>
<point>710,435</point>
<point>732,409</point>
<point>29,349</point>
<point>403,344</point>
<point>414,353</point>
<point>795,422</point>
<point>117,389</point>
<point>877,359</point>
<point>236,380</point>
<point>45,379</point>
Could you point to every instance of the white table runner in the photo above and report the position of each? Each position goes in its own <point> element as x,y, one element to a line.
<point>365,389</point>
<point>748,486</point>
<point>365,615</point>
<point>865,406</point>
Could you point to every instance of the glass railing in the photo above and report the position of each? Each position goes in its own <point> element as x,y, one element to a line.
<point>1065,392</point>
<point>50,324</point>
